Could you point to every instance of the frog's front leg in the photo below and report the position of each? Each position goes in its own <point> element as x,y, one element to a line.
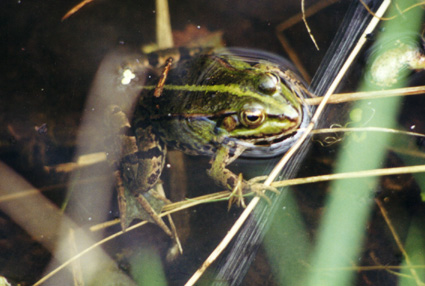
<point>231,181</point>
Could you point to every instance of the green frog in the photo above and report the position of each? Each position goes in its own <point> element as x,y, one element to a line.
<point>221,103</point>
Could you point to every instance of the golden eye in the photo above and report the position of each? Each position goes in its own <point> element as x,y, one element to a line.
<point>268,83</point>
<point>252,117</point>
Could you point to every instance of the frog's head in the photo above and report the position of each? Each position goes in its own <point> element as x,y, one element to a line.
<point>263,102</point>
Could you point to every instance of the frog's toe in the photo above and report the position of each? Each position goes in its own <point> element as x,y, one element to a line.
<point>236,197</point>
<point>259,190</point>
<point>259,187</point>
<point>271,188</point>
<point>257,179</point>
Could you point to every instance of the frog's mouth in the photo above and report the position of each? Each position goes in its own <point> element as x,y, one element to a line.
<point>275,139</point>
<point>266,140</point>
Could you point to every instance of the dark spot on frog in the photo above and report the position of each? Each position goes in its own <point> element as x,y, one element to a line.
<point>134,157</point>
<point>154,152</point>
<point>172,143</point>
<point>184,146</point>
<point>207,148</point>
<point>131,158</point>
<point>153,178</point>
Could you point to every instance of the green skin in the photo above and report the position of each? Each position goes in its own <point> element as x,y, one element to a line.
<point>210,104</point>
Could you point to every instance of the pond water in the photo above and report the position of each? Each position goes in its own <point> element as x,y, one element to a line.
<point>47,71</point>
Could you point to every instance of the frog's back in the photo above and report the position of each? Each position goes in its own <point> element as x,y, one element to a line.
<point>209,99</point>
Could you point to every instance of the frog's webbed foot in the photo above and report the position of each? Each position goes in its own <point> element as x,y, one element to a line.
<point>144,206</point>
<point>251,186</point>
<point>147,206</point>
<point>149,202</point>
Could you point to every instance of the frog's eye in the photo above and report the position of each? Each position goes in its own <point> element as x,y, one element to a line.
<point>252,117</point>
<point>268,83</point>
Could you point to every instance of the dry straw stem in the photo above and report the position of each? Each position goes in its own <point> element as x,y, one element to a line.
<point>366,129</point>
<point>367,95</point>
<point>307,26</point>
<point>351,175</point>
<point>75,9</point>
<point>398,242</point>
